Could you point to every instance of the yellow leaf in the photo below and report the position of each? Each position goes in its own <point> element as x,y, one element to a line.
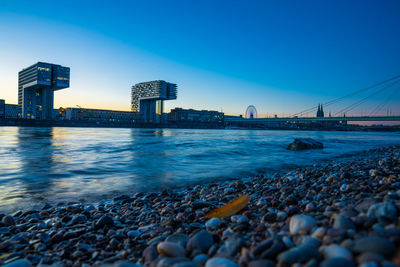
<point>4,256</point>
<point>229,209</point>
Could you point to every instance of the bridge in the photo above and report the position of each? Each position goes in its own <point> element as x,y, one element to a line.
<point>313,119</point>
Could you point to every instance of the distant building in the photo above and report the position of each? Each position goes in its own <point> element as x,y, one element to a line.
<point>191,115</point>
<point>36,86</point>
<point>11,111</point>
<point>104,115</point>
<point>147,98</point>
<point>320,111</point>
<point>2,108</point>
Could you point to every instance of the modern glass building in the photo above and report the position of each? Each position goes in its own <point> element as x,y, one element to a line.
<point>36,86</point>
<point>147,98</point>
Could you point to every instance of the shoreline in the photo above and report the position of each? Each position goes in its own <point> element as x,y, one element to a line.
<point>321,214</point>
<point>9,122</point>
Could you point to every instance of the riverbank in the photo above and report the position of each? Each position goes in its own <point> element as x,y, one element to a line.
<point>333,214</point>
<point>194,125</point>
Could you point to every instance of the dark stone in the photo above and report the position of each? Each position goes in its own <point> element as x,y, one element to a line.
<point>334,262</point>
<point>120,198</point>
<point>150,254</point>
<point>276,247</point>
<point>231,246</point>
<point>305,143</point>
<point>202,241</point>
<point>261,263</point>
<point>375,244</point>
<point>8,220</point>
<point>262,246</point>
<point>19,263</point>
<point>104,220</point>
<point>78,219</point>
<point>342,222</point>
<point>299,254</point>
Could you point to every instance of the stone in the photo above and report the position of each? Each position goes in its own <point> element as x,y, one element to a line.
<point>4,230</point>
<point>230,247</point>
<point>134,233</point>
<point>261,263</point>
<point>220,262</point>
<point>200,259</point>
<point>150,254</point>
<point>239,219</point>
<point>181,239</point>
<point>8,220</point>
<point>301,224</point>
<point>19,263</point>
<point>78,219</point>
<point>370,257</point>
<point>374,244</point>
<point>305,143</point>
<point>170,249</point>
<point>169,262</point>
<point>213,224</point>
<point>299,254</point>
<point>319,233</point>
<point>335,251</point>
<point>104,220</point>
<point>385,212</point>
<point>343,222</point>
<point>203,240</point>
<point>334,262</point>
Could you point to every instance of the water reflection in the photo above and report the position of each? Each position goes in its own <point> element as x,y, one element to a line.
<point>35,153</point>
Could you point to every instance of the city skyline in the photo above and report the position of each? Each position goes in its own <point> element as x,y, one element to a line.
<point>220,62</point>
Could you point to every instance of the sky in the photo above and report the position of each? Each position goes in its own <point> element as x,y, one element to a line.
<point>280,56</point>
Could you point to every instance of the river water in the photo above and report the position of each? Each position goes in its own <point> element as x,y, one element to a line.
<point>51,165</point>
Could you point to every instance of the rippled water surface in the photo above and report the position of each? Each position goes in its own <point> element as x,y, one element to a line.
<point>68,164</point>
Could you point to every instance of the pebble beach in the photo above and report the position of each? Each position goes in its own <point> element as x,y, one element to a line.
<point>332,214</point>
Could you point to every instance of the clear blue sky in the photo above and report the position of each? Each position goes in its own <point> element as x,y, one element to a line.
<point>281,56</point>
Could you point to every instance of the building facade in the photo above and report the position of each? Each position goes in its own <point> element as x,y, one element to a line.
<point>2,108</point>
<point>103,115</point>
<point>36,86</point>
<point>191,115</point>
<point>11,111</point>
<point>147,98</point>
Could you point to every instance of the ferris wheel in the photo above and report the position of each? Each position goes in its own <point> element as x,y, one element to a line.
<point>251,112</point>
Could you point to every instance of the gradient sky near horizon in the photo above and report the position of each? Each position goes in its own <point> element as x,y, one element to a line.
<point>281,56</point>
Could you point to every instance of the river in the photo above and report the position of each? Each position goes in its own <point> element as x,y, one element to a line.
<point>51,165</point>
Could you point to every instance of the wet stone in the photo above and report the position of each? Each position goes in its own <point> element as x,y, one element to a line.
<point>104,220</point>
